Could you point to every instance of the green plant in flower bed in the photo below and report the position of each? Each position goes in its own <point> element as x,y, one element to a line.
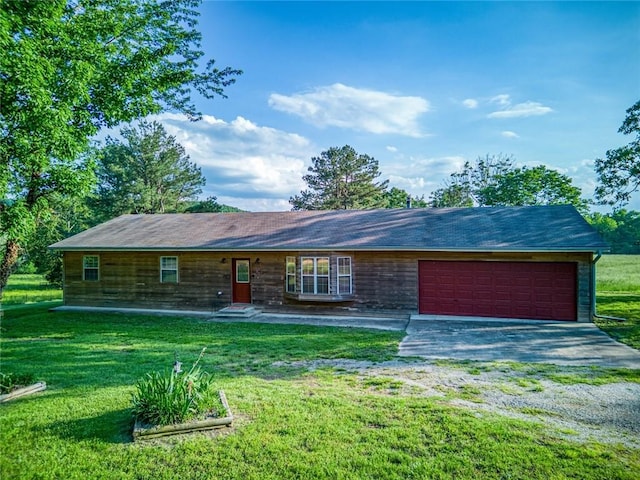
<point>165,398</point>
<point>10,381</point>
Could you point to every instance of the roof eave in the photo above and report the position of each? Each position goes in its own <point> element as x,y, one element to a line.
<point>313,248</point>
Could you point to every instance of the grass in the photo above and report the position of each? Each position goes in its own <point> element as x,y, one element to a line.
<point>291,423</point>
<point>29,288</point>
<point>619,273</point>
<point>618,295</point>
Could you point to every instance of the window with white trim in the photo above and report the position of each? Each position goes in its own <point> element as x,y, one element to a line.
<point>91,268</point>
<point>315,275</point>
<point>168,269</point>
<point>344,276</point>
<point>242,271</point>
<point>291,275</point>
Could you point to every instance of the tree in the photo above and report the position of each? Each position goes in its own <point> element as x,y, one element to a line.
<point>620,229</point>
<point>398,198</point>
<point>496,181</point>
<point>532,186</point>
<point>209,205</point>
<point>451,195</point>
<point>463,188</point>
<point>619,173</point>
<point>71,67</point>
<point>340,178</point>
<point>147,173</point>
<point>71,215</point>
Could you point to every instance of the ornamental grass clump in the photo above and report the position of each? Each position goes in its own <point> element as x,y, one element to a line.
<point>166,398</point>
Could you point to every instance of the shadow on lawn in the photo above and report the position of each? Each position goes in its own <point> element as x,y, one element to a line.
<point>109,350</point>
<point>114,426</point>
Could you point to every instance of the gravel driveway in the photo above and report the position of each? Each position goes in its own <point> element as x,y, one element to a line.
<point>560,343</point>
<point>581,412</point>
<point>608,413</point>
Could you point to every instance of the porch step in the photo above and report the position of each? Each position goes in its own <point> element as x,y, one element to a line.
<point>237,311</point>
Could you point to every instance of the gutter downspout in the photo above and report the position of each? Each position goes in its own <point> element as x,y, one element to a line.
<point>594,311</point>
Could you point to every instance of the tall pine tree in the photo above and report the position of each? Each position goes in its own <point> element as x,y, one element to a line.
<point>341,178</point>
<point>147,173</point>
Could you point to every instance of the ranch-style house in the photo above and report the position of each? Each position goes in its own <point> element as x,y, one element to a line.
<point>534,262</point>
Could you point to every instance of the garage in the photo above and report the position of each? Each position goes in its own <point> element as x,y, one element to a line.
<point>531,290</point>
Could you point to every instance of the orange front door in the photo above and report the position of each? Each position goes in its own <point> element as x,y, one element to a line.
<point>241,280</point>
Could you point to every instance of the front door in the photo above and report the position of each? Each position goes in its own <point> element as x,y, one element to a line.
<point>241,281</point>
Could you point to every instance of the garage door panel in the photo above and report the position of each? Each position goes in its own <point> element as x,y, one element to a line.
<point>519,281</point>
<point>522,297</point>
<point>465,280</point>
<point>541,298</point>
<point>501,289</point>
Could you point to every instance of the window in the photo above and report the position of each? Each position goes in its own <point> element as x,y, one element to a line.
<point>169,269</point>
<point>317,278</point>
<point>291,274</point>
<point>91,268</point>
<point>315,275</point>
<point>242,271</point>
<point>344,275</point>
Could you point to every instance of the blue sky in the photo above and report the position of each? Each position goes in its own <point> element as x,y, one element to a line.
<point>420,86</point>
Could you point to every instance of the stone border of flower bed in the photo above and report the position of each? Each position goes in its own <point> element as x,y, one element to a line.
<point>141,432</point>
<point>23,391</point>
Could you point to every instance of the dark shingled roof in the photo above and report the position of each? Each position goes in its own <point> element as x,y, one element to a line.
<point>530,229</point>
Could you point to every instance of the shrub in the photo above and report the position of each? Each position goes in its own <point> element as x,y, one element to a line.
<point>165,398</point>
<point>11,381</point>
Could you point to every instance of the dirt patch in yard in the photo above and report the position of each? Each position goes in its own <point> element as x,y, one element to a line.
<point>608,413</point>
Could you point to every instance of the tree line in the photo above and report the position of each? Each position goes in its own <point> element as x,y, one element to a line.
<point>148,171</point>
<point>70,68</point>
<point>341,178</point>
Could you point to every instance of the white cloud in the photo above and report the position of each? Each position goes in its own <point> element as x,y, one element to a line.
<point>525,109</point>
<point>391,148</point>
<point>502,99</point>
<point>246,165</point>
<point>509,134</point>
<point>371,111</point>
<point>470,103</point>
<point>421,176</point>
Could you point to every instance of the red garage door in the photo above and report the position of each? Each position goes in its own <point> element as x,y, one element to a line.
<point>545,291</point>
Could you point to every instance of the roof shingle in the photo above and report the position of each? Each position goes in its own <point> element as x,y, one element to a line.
<point>536,228</point>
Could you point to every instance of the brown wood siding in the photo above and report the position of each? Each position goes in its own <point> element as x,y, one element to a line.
<point>133,280</point>
<point>383,282</point>
<point>386,281</point>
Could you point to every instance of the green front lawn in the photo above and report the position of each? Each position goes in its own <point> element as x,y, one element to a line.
<point>29,288</point>
<point>291,422</point>
<point>618,295</point>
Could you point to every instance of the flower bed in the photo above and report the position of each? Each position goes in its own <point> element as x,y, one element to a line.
<point>169,403</point>
<point>14,386</point>
<point>212,420</point>
<point>23,391</point>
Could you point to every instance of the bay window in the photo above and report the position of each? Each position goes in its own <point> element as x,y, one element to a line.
<point>315,275</point>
